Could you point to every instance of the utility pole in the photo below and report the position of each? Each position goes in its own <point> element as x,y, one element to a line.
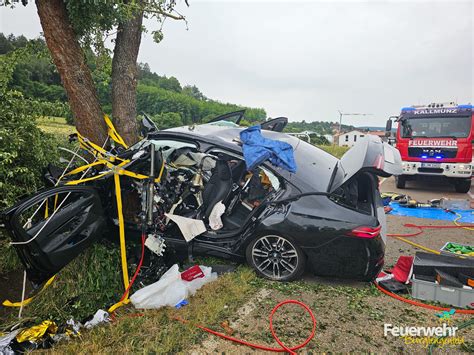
<point>347,114</point>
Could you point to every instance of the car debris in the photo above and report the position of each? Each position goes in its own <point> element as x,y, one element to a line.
<point>173,288</point>
<point>99,317</point>
<point>326,216</point>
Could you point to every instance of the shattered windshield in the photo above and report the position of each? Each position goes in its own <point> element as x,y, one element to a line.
<point>436,127</point>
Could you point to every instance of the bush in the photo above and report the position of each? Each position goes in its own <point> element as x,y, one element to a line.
<point>167,120</point>
<point>24,149</point>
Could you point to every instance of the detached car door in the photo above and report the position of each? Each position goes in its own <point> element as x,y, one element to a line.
<point>54,226</point>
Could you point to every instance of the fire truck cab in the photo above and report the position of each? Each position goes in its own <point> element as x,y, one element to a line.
<point>436,140</point>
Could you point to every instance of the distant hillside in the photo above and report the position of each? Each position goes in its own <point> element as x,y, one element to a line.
<point>164,98</point>
<point>371,128</point>
<point>319,127</point>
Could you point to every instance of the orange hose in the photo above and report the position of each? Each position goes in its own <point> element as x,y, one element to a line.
<point>419,304</point>
<point>283,348</point>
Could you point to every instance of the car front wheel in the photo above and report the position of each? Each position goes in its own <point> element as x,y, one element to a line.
<point>276,258</point>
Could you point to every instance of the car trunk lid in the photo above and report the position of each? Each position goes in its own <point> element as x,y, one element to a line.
<point>368,155</point>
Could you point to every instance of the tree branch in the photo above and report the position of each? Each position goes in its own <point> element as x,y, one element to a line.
<point>166,14</point>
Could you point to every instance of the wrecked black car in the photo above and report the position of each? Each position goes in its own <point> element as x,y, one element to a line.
<point>200,198</point>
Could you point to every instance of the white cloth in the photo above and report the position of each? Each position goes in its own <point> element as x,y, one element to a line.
<point>215,221</point>
<point>190,228</point>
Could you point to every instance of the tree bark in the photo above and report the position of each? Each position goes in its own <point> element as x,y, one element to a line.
<point>71,64</point>
<point>124,77</point>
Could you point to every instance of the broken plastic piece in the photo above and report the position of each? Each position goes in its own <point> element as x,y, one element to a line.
<point>156,244</point>
<point>181,304</point>
<point>192,273</point>
<point>402,270</point>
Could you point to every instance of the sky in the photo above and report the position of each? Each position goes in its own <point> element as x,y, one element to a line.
<point>307,60</point>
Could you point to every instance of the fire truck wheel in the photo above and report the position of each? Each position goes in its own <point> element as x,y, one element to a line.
<point>400,180</point>
<point>462,185</point>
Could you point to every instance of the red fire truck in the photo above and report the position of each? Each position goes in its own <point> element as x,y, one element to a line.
<point>437,141</point>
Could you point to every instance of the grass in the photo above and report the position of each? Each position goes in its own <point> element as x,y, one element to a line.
<point>335,150</point>
<point>91,281</point>
<point>56,126</point>
<point>153,331</point>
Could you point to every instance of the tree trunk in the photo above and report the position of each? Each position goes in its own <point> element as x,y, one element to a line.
<point>124,77</point>
<point>75,74</point>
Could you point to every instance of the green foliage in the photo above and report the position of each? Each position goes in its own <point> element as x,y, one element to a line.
<point>9,260</point>
<point>28,68</point>
<point>79,291</point>
<point>193,91</point>
<point>147,77</point>
<point>93,21</point>
<point>318,140</point>
<point>24,149</point>
<point>10,43</point>
<point>155,100</point>
<point>167,120</point>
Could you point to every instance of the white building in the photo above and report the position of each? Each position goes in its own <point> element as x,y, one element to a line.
<point>350,138</point>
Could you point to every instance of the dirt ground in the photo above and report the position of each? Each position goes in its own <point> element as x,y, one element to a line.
<point>350,316</point>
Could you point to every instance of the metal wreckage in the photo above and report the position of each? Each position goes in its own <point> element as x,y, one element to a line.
<point>217,189</point>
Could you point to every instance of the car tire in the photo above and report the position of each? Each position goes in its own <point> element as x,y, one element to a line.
<point>401,181</point>
<point>276,258</point>
<point>462,185</point>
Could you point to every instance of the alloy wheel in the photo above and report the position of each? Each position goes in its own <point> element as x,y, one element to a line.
<point>275,257</point>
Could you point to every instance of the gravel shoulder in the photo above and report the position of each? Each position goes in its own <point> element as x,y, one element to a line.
<point>350,315</point>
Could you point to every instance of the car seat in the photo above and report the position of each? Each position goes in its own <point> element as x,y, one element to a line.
<point>217,188</point>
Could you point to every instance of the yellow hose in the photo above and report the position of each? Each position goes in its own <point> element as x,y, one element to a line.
<point>419,246</point>
<point>458,217</point>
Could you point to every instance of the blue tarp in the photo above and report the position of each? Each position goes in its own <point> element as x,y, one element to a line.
<point>257,149</point>
<point>431,213</point>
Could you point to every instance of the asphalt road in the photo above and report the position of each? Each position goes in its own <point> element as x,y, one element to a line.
<point>426,190</point>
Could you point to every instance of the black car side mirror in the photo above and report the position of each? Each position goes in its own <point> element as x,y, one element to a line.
<point>148,126</point>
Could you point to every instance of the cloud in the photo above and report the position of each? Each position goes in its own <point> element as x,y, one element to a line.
<point>306,60</point>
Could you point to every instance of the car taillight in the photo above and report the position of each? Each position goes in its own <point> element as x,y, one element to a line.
<point>365,232</point>
<point>379,162</point>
